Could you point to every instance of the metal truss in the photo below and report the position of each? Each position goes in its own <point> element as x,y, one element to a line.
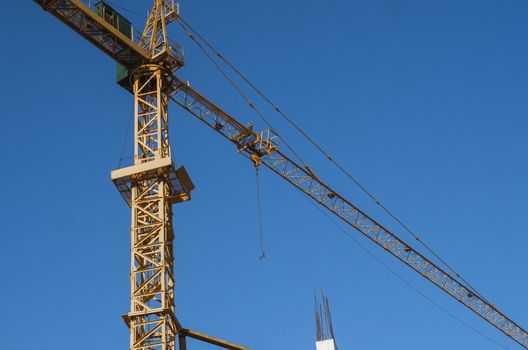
<point>262,148</point>
<point>151,318</point>
<point>154,39</point>
<point>78,16</point>
<point>150,46</point>
<point>150,187</point>
<point>152,184</point>
<point>151,124</point>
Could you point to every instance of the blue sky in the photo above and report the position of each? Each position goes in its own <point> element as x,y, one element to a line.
<point>424,102</point>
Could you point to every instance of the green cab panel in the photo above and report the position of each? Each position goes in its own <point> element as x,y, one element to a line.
<point>105,11</point>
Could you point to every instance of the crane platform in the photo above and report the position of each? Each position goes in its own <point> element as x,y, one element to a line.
<point>180,181</point>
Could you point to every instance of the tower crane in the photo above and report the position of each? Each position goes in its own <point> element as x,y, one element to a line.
<point>146,66</point>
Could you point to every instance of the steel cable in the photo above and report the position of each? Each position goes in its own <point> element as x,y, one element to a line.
<point>402,279</point>
<point>259,216</point>
<point>329,157</point>
<point>241,93</point>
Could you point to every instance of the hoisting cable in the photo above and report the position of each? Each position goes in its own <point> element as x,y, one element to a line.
<point>241,93</point>
<point>401,278</point>
<point>121,157</point>
<point>262,254</point>
<point>341,168</point>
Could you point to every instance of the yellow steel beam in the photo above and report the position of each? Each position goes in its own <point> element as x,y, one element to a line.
<point>122,37</point>
<point>212,340</point>
<point>77,20</point>
<point>183,342</point>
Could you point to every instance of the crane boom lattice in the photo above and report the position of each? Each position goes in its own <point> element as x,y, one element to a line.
<point>263,147</point>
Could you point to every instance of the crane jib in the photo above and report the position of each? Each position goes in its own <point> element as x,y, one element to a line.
<point>311,185</point>
<point>78,15</point>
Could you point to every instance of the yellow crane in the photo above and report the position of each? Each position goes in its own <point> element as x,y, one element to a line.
<point>147,63</point>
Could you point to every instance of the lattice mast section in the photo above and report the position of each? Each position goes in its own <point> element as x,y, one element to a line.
<point>152,271</point>
<point>151,319</point>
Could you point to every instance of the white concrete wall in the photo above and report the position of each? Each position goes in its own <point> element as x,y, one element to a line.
<point>325,345</point>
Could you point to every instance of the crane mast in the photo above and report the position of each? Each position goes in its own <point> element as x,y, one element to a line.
<point>150,319</point>
<point>153,183</point>
<point>150,187</point>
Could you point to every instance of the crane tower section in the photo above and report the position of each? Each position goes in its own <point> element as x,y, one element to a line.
<point>150,186</point>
